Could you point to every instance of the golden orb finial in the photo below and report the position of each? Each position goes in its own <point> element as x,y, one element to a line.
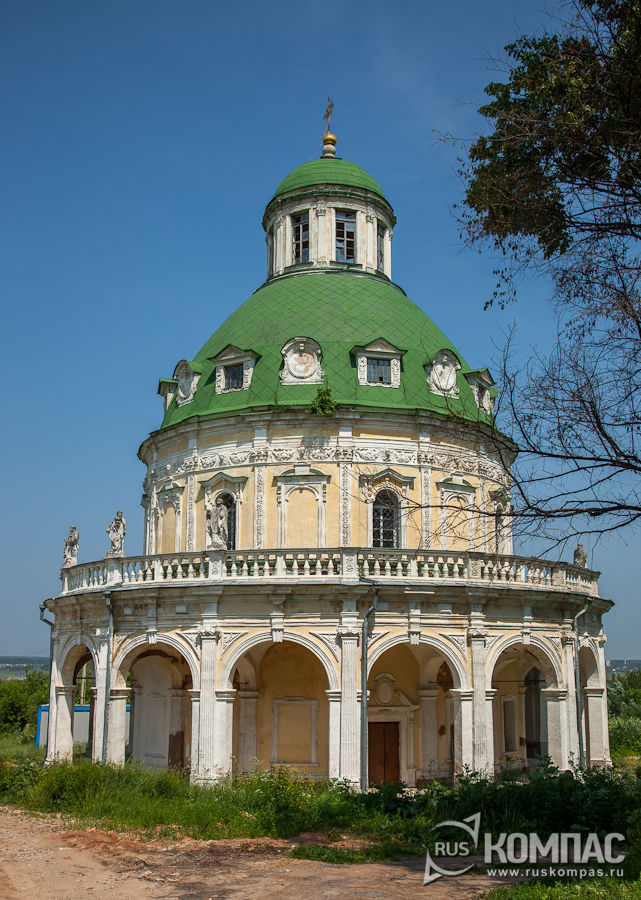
<point>329,139</point>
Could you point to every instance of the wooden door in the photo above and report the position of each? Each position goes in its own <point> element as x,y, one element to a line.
<point>383,758</point>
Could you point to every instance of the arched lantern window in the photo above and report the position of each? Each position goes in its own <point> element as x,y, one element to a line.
<point>386,520</point>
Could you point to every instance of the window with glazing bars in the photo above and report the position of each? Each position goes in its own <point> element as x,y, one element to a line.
<point>380,248</point>
<point>345,236</point>
<point>233,377</point>
<point>386,520</point>
<point>378,371</point>
<point>300,228</point>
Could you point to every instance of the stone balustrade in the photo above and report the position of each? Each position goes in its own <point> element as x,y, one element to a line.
<point>342,565</point>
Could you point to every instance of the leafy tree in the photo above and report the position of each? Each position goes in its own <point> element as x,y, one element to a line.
<point>556,188</point>
<point>19,700</point>
<point>624,694</point>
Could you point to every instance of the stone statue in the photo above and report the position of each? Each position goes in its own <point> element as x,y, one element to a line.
<point>71,548</point>
<point>217,524</point>
<point>580,557</point>
<point>116,531</point>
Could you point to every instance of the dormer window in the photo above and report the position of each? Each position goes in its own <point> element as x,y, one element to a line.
<point>234,369</point>
<point>379,371</point>
<point>234,377</point>
<point>300,232</point>
<point>345,236</point>
<point>379,363</point>
<point>380,248</point>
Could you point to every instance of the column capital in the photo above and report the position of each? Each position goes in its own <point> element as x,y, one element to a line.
<point>334,696</point>
<point>208,632</point>
<point>226,696</point>
<point>348,632</point>
<point>65,690</point>
<point>118,693</point>
<point>462,695</point>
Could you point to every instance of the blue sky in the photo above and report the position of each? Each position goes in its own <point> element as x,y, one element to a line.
<point>141,143</point>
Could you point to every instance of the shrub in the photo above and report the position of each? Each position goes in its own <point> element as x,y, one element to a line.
<point>625,733</point>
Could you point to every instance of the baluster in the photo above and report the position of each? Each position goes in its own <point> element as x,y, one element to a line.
<point>330,565</point>
<point>306,566</point>
<point>295,566</point>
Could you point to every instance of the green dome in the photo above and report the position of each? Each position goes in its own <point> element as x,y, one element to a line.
<point>339,310</point>
<point>329,171</point>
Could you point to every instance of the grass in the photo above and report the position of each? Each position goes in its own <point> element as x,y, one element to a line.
<point>604,889</point>
<point>386,823</point>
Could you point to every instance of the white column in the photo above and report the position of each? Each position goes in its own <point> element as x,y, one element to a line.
<point>482,762</point>
<point>117,726</point>
<point>64,723</point>
<point>334,698</point>
<point>567,641</point>
<point>428,699</point>
<point>100,702</point>
<point>607,760</point>
<point>288,243</point>
<point>350,724</point>
<point>195,732</point>
<point>135,709</point>
<point>463,742</point>
<point>190,518</point>
<point>247,740</point>
<point>371,241</point>
<point>331,233</point>
<point>208,665</point>
<point>555,711</point>
<point>360,250</point>
<point>387,252</point>
<point>595,745</point>
<point>223,731</point>
<point>489,729</point>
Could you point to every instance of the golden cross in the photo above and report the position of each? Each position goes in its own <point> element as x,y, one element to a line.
<point>328,113</point>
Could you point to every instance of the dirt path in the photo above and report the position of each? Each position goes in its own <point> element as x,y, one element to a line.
<point>42,859</point>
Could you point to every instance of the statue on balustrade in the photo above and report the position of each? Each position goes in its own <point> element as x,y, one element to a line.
<point>71,548</point>
<point>116,531</point>
<point>580,557</point>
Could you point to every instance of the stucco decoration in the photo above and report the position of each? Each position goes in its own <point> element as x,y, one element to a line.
<point>186,382</point>
<point>71,548</point>
<point>302,362</point>
<point>116,531</point>
<point>234,356</point>
<point>441,374</point>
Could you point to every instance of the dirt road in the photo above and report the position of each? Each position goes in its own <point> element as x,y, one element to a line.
<point>42,859</point>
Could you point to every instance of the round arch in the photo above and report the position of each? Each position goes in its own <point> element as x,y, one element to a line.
<point>553,662</point>
<point>589,666</point>
<point>455,662</point>
<point>69,654</point>
<point>126,653</point>
<point>230,663</point>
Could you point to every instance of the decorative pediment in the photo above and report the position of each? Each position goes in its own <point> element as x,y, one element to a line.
<point>170,494</point>
<point>456,484</point>
<point>223,481</point>
<point>372,482</point>
<point>484,389</point>
<point>441,373</point>
<point>167,389</point>
<point>231,358</point>
<point>186,377</point>
<point>379,349</point>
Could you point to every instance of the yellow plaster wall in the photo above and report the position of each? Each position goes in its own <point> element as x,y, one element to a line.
<point>289,670</point>
<point>168,529</point>
<point>301,519</point>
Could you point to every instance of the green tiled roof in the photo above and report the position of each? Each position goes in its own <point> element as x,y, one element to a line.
<point>339,310</point>
<point>329,171</point>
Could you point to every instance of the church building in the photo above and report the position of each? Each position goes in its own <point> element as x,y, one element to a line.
<point>327,579</point>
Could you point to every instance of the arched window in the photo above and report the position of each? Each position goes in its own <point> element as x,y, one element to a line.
<point>386,521</point>
<point>230,505</point>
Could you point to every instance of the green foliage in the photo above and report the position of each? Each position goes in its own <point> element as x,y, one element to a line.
<point>19,700</point>
<point>624,694</point>
<point>561,165</point>
<point>625,734</point>
<point>603,889</point>
<point>323,403</point>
